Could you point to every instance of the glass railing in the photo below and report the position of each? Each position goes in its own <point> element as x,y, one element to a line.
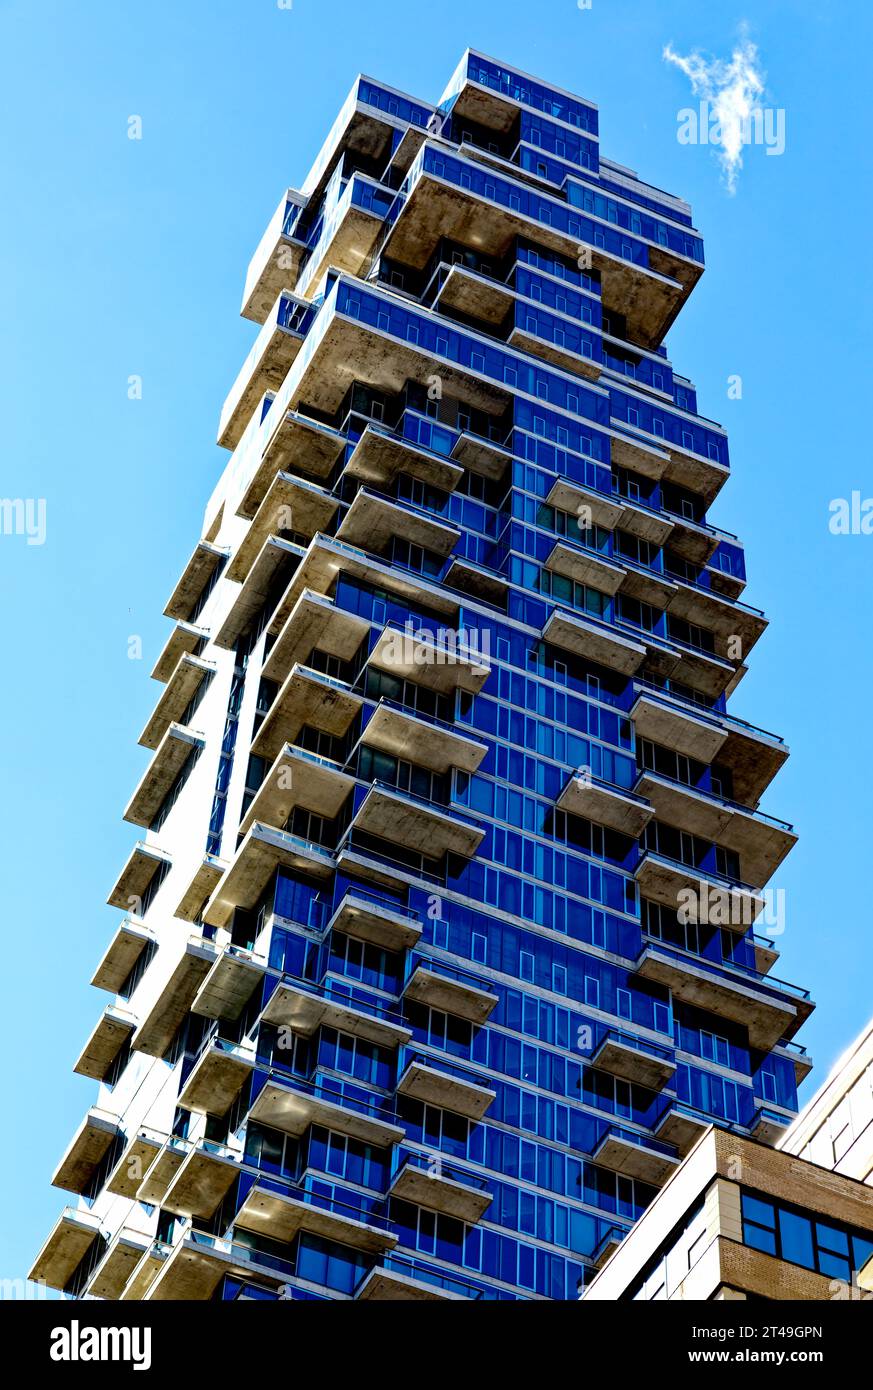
<point>704,713</point>
<point>639,1141</point>
<point>413,1269</point>
<point>768,984</point>
<point>457,973</point>
<point>613,1235</point>
<point>641,1045</point>
<point>435,1165</point>
<point>709,795</point>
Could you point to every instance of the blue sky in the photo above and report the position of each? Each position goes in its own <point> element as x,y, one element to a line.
<point>123,257</point>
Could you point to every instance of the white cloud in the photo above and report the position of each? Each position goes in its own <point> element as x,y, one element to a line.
<point>733,90</point>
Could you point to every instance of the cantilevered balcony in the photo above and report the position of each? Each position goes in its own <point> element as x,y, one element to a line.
<point>297,445</point>
<point>484,456</point>
<point>194,578</point>
<point>277,259</point>
<point>662,880</point>
<point>144,863</point>
<point>310,698</point>
<point>769,1009</point>
<point>275,556</point>
<point>263,850</point>
<point>162,1170</point>
<point>86,1149</point>
<point>180,690</point>
<point>594,641</point>
<point>422,741</point>
<point>761,842</point>
<point>373,522</point>
<point>290,504</point>
<point>304,1008</point>
<point>426,1180</point>
<point>635,1155</point>
<point>217,1077</point>
<point>706,671</point>
<point>185,639</point>
<point>607,1245</point>
<point>646,584</point>
<point>145,1272</point>
<point>681,1125</point>
<point>379,921</point>
<point>123,1254</point>
<point>314,623</point>
<point>448,988</point>
<point>292,1105</point>
<point>727,619</point>
<point>605,804</point>
<point>696,472</point>
<point>206,875</point>
<point>158,1028</point>
<point>191,1270</point>
<point>298,778</point>
<point>379,456</point>
<point>266,366</point>
<point>420,658</point>
<point>138,1155</point>
<point>634,1059</point>
<point>124,950</point>
<point>416,825</point>
<point>585,566</point>
<point>459,289</point>
<point>175,748</point>
<point>601,508</point>
<point>71,1238</point>
<point>114,1027</point>
<point>201,1181</point>
<point>282,1215</point>
<point>438,1082</point>
<point>230,983</point>
<point>386,1284</point>
<point>769,1125</point>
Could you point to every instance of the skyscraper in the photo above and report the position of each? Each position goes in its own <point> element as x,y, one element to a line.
<point>440,949</point>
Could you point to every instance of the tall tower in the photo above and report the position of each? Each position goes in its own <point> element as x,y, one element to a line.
<point>439,947</point>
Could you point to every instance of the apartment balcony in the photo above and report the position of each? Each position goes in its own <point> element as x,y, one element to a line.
<point>274,556</point>
<point>424,742</point>
<point>644,522</point>
<point>144,1273</point>
<point>190,1271</point>
<point>681,1125</point>
<point>479,581</point>
<point>768,1012</point>
<point>315,623</point>
<point>593,641</point>
<point>123,1254</point>
<point>193,580</point>
<point>304,1009</point>
<point>585,566</point>
<point>183,685</point>
<point>206,875</point>
<point>297,445</point>
<point>139,1154</point>
<point>606,805</point>
<point>276,260</point>
<point>162,1170</point>
<point>173,751</point>
<point>383,923</point>
<point>604,509</point>
<point>634,1059</point>
<point>450,990</point>
<point>416,825</point>
<point>124,950</point>
<point>761,842</point>
<point>158,1028</point>
<point>142,865</point>
<point>378,457</point>
<point>306,698</point>
<point>289,504</point>
<point>230,984</point>
<point>707,672</point>
<point>387,1285</point>
<point>266,366</point>
<point>635,1155</point>
<point>114,1027</point>
<point>428,1181</point>
<point>647,585</point>
<point>281,1216</point>
<point>768,1126</point>
<point>426,661</point>
<point>607,1245</point>
<point>449,195</point>
<point>298,778</point>
<point>186,639</point>
<point>640,453</point>
<point>71,1238</point>
<point>86,1150</point>
<point>292,1105</point>
<point>353,220</point>
<point>435,1082</point>
<point>373,522</point>
<point>662,880</point>
<point>202,1180</point>
<point>217,1077</point>
<point>725,618</point>
<point>694,471</point>
<point>263,850</point>
<point>526,337</point>
<point>461,290</point>
<point>483,456</point>
<point>799,1058</point>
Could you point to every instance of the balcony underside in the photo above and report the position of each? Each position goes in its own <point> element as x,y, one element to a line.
<point>676,885</point>
<point>634,1160</point>
<point>158,1177</point>
<point>113,1029</point>
<point>477,581</point>
<point>702,475</point>
<point>306,698</point>
<point>299,445</point>
<point>618,810</point>
<point>767,1018</point>
<point>201,1182</point>
<point>373,522</point>
<point>139,1155</point>
<point>599,644</point>
<point>281,1218</point>
<point>303,1012</point>
<point>393,817</point>
<point>141,867</point>
<point>718,615</point>
<point>85,1151</point>
<point>125,949</point>
<point>116,1267</point>
<point>647,586</point>
<point>675,726</point>
<point>427,1083</point>
<point>274,557</point>
<point>158,1028</point>
<point>293,1111</point>
<point>180,690</point>
<point>190,1273</point>
<point>585,567</point>
<point>387,1285</point>
<point>263,850</point>
<point>377,458</point>
<point>638,453</point>
<point>272,364</point>
<point>461,998</point>
<point>144,1274</point>
<point>559,356</point>
<point>174,749</point>
<point>229,985</point>
<point>194,578</point>
<point>349,248</point>
<point>468,292</point>
<point>482,456</point>
<point>290,504</point>
<point>297,780</point>
<point>71,1238</point>
<point>370,921</point>
<point>681,1128</point>
<point>585,504</point>
<point>216,1079</point>
<point>314,624</point>
<point>186,638</point>
<point>633,1064</point>
<point>202,885</point>
<point>415,740</point>
<point>430,1189</point>
<point>429,663</point>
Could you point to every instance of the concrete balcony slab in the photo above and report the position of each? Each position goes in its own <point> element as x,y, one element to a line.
<point>292,1109</point>
<point>114,1027</point>
<point>290,504</point>
<point>142,865</point>
<point>426,1082</point>
<point>193,580</point>
<point>306,698</point>
<point>158,1028</point>
<point>297,778</point>
<point>217,1077</point>
<point>401,820</point>
<point>281,1217</point>
<point>378,457</point>
<point>71,1238</point>
<point>586,567</point>
<point>124,950</point>
<point>304,1011</point>
<point>429,662</point>
<point>230,984</point>
<point>86,1150</point>
<point>415,740</point>
<point>315,623</point>
<point>605,805</point>
<point>603,645</point>
<point>186,680</point>
<point>368,920</point>
<point>173,751</point>
<point>459,997</point>
<point>263,850</point>
<point>373,522</point>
